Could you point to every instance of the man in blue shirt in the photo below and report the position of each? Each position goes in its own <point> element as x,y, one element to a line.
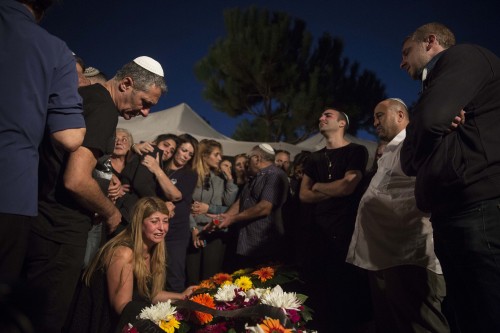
<point>257,213</point>
<point>38,92</point>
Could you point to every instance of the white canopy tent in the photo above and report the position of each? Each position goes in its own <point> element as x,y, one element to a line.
<point>182,119</point>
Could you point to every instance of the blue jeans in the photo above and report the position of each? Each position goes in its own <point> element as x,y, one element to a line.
<point>94,241</point>
<point>467,244</point>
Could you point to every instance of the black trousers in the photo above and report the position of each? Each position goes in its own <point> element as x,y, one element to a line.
<point>52,272</point>
<point>408,298</point>
<point>467,243</point>
<point>176,263</point>
<point>14,232</point>
<point>203,263</point>
<point>339,293</point>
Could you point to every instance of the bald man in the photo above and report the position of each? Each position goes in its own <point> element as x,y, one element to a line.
<point>393,241</point>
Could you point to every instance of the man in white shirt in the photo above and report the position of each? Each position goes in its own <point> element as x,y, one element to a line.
<point>393,240</point>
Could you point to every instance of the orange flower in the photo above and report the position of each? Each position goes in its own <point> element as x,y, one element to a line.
<point>220,278</point>
<point>264,274</point>
<point>206,284</point>
<point>273,326</point>
<point>208,301</point>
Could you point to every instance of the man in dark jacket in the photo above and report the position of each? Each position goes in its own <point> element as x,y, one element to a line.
<point>458,171</point>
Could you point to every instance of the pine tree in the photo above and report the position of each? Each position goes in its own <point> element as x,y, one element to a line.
<point>264,68</point>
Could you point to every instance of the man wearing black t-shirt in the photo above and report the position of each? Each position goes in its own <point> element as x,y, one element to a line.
<point>331,182</point>
<point>69,195</point>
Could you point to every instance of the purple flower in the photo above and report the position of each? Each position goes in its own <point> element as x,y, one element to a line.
<point>214,328</point>
<point>293,315</point>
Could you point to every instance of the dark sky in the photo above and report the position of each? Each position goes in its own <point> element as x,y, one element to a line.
<point>110,33</point>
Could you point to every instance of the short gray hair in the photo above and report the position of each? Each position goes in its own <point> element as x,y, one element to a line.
<point>127,132</point>
<point>265,155</point>
<point>143,79</point>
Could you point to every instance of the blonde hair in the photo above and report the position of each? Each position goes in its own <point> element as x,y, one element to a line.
<point>205,148</point>
<point>149,282</point>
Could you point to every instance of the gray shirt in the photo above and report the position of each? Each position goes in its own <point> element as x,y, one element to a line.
<point>218,193</point>
<point>257,236</point>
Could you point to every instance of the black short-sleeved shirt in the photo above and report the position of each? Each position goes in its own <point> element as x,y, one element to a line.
<point>61,218</point>
<point>348,158</point>
<point>185,180</point>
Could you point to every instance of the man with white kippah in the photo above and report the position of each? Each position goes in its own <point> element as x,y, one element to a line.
<point>90,71</point>
<point>257,213</point>
<point>393,240</point>
<point>73,192</point>
<point>331,181</point>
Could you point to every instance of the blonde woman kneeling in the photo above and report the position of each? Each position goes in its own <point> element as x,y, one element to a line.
<point>127,274</point>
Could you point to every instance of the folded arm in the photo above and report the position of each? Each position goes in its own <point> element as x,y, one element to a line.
<point>307,194</point>
<point>459,74</point>
<point>341,187</point>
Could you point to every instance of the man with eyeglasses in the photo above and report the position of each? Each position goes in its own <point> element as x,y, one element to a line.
<point>257,213</point>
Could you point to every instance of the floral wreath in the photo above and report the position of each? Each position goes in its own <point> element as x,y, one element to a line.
<point>248,300</point>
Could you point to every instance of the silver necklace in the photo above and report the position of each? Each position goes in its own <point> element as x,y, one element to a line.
<point>170,173</point>
<point>329,165</point>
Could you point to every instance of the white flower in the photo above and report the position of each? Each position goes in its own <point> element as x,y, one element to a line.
<point>160,311</point>
<point>226,293</point>
<point>254,329</point>
<point>257,292</point>
<point>280,299</point>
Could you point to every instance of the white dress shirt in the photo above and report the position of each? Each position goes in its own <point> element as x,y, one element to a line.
<point>390,230</point>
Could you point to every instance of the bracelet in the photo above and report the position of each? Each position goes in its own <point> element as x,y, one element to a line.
<point>132,147</point>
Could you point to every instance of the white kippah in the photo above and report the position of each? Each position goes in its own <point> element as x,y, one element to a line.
<point>267,148</point>
<point>399,100</point>
<point>91,71</point>
<point>150,64</point>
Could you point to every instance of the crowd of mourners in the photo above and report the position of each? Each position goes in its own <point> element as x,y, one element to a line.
<point>95,226</point>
